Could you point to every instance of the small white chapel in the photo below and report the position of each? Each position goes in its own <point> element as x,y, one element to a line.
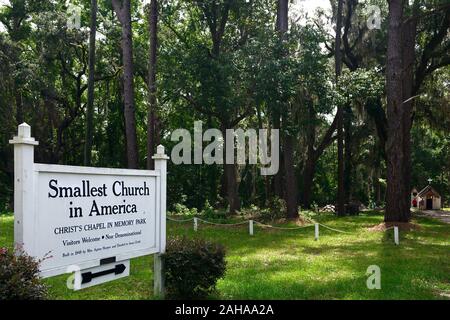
<point>426,199</point>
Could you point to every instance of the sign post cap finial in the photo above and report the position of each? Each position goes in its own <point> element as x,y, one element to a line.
<point>24,130</point>
<point>24,136</point>
<point>160,149</point>
<point>160,153</point>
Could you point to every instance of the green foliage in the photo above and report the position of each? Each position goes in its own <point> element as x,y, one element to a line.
<point>252,211</point>
<point>431,158</point>
<point>19,276</point>
<point>192,267</point>
<point>277,209</point>
<point>360,85</point>
<point>181,209</point>
<point>255,78</point>
<point>209,212</point>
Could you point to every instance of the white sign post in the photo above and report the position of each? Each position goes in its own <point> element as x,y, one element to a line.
<point>24,187</point>
<point>84,218</point>
<point>195,224</point>
<point>161,166</point>
<point>316,231</point>
<point>396,240</point>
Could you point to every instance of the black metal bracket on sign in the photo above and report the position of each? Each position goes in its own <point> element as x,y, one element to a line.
<point>87,277</point>
<point>107,261</point>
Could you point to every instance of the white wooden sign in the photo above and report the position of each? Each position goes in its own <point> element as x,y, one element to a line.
<point>81,216</point>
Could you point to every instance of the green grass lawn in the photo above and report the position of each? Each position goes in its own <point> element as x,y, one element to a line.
<point>291,265</point>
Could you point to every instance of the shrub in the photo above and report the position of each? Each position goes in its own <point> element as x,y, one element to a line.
<point>181,209</point>
<point>208,210</point>
<point>253,211</point>
<point>210,213</point>
<point>192,267</point>
<point>19,276</point>
<point>277,210</point>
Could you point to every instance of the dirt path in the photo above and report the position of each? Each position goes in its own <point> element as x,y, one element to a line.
<point>443,216</point>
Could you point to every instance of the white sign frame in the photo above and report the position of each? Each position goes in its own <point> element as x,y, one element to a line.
<point>89,171</point>
<point>26,177</point>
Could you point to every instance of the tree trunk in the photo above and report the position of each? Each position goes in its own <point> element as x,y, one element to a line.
<point>348,168</point>
<point>19,106</point>
<point>282,27</point>
<point>278,177</point>
<point>377,168</point>
<point>230,174</point>
<point>152,135</point>
<point>308,180</point>
<point>314,154</point>
<point>282,16</point>
<point>408,54</point>
<point>397,204</point>
<point>311,156</point>
<point>232,188</point>
<point>123,11</point>
<point>290,190</point>
<point>340,116</point>
<point>91,79</point>
<point>291,181</point>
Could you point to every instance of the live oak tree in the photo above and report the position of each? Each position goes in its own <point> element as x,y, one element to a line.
<point>361,48</point>
<point>216,16</point>
<point>316,99</point>
<point>415,55</point>
<point>296,92</point>
<point>403,82</point>
<point>215,87</point>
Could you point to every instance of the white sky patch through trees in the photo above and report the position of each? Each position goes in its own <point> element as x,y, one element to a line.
<point>308,7</point>
<point>297,7</point>
<point>300,11</point>
<point>3,3</point>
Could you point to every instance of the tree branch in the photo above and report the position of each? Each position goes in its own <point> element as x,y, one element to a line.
<point>118,8</point>
<point>327,139</point>
<point>423,69</point>
<point>198,107</point>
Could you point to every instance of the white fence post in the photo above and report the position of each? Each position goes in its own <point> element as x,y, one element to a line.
<point>24,206</point>
<point>161,165</point>
<point>316,231</point>
<point>195,224</point>
<point>396,240</point>
<point>250,227</point>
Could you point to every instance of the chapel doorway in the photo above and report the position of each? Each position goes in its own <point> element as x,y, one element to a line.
<point>430,204</point>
